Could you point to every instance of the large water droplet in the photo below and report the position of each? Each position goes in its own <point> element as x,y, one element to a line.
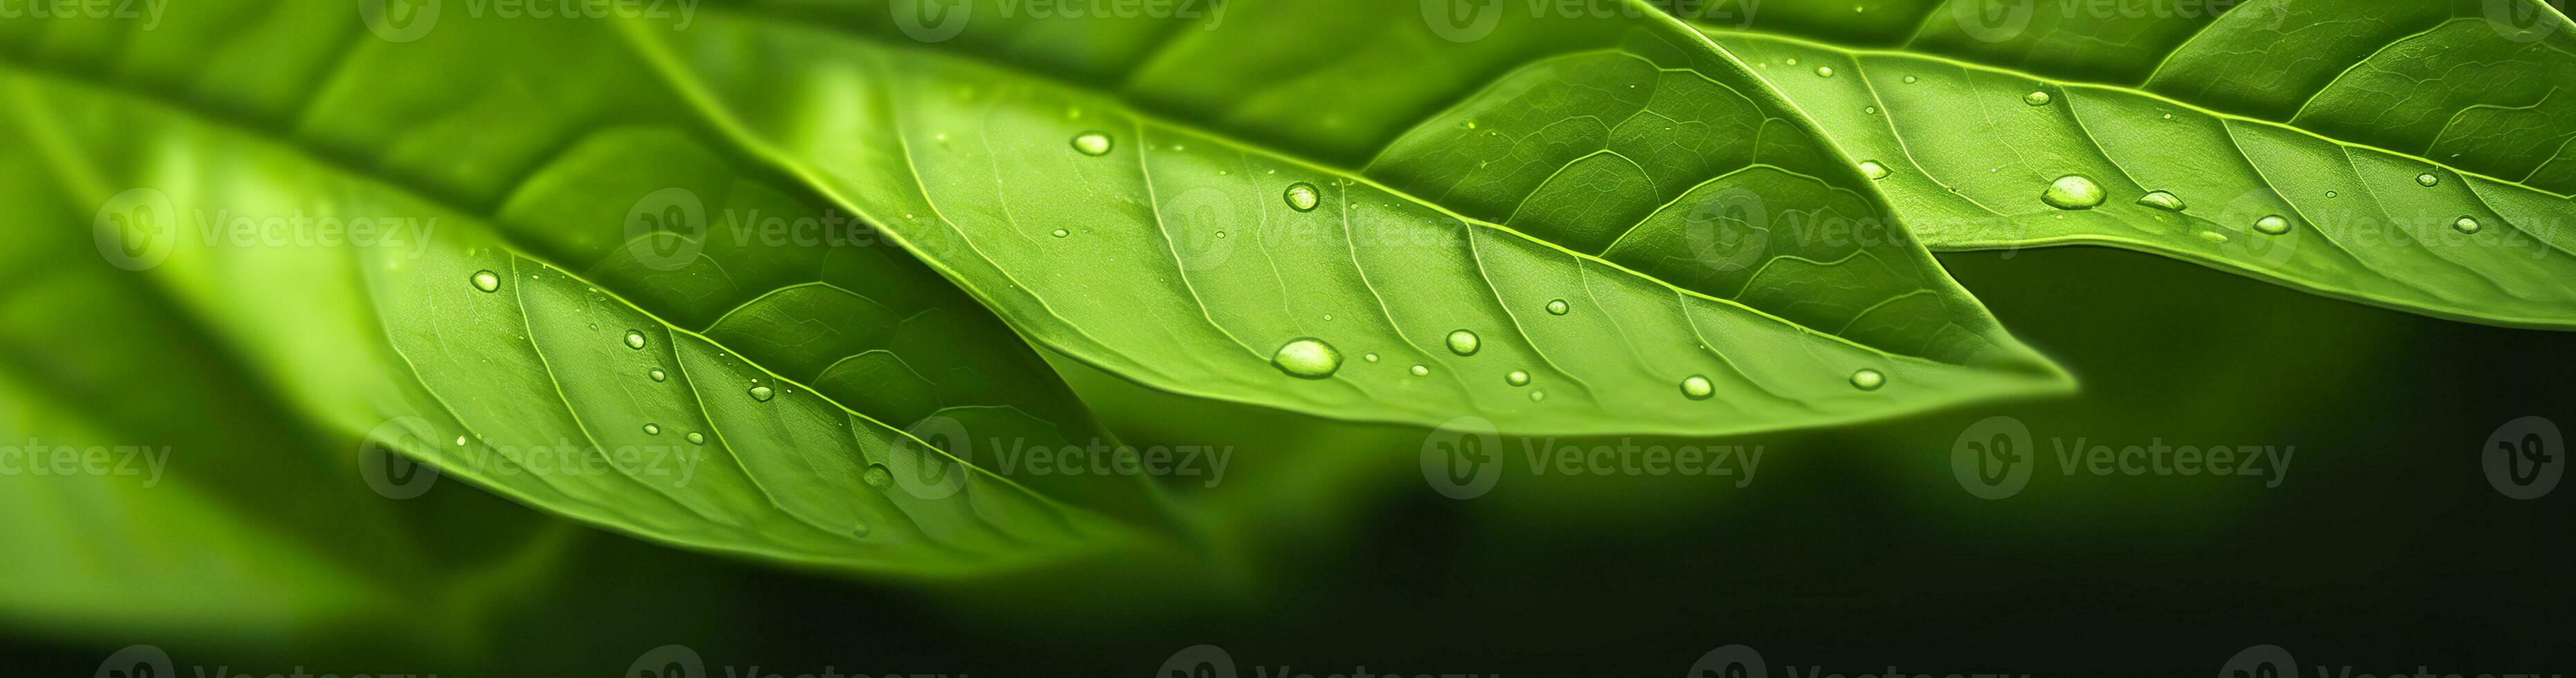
<point>1422,370</point>
<point>2163,200</point>
<point>2074,192</point>
<point>1303,197</point>
<point>2272,225</point>
<point>635,340</point>
<point>2466,225</point>
<point>652,429</point>
<point>657,375</point>
<point>696,438</point>
<point>1092,143</point>
<point>1697,387</point>
<point>1517,378</point>
<point>1061,233</point>
<point>2428,180</point>
<point>1463,342</point>
<point>1868,379</point>
<point>487,281</point>
<point>1558,307</point>
<point>1307,358</point>
<point>1873,169</point>
<point>762,393</point>
<point>2037,98</point>
<point>1824,71</point>
<point>877,476</point>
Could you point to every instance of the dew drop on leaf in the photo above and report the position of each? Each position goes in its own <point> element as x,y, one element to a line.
<point>1061,233</point>
<point>2037,98</point>
<point>1824,71</point>
<point>1303,197</point>
<point>2466,225</point>
<point>1697,387</point>
<point>1558,307</point>
<point>1421,370</point>
<point>1092,143</point>
<point>2163,200</point>
<point>1538,395</point>
<point>2074,192</point>
<point>1911,80</point>
<point>1873,169</point>
<point>2428,180</point>
<point>635,340</point>
<point>762,393</point>
<point>487,281</point>
<point>1370,357</point>
<point>657,375</point>
<point>696,438</point>
<point>1307,358</point>
<point>1517,378</point>
<point>877,476</point>
<point>2272,225</point>
<point>1464,342</point>
<point>1868,379</point>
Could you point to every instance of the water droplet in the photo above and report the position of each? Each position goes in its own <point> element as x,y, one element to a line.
<point>1911,80</point>
<point>487,281</point>
<point>1697,387</point>
<point>1824,71</point>
<point>762,393</point>
<point>1517,378</point>
<point>2428,180</point>
<point>1538,395</point>
<point>1421,370</point>
<point>1793,61</point>
<point>1092,143</point>
<point>1873,170</point>
<point>1558,307</point>
<point>859,530</point>
<point>657,375</point>
<point>2466,225</point>
<point>1061,233</point>
<point>696,438</point>
<point>460,441</point>
<point>2163,200</point>
<point>2214,236</point>
<point>2074,192</point>
<point>1463,342</point>
<point>1307,358</point>
<point>2272,225</point>
<point>1303,197</point>
<point>635,340</point>
<point>1868,379</point>
<point>2037,98</point>
<point>877,476</point>
<point>2333,194</point>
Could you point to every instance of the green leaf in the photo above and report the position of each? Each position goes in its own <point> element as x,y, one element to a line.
<point>2323,114</point>
<point>781,361</point>
<point>1184,201</point>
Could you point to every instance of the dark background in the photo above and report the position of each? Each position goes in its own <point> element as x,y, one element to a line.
<point>2383,549</point>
